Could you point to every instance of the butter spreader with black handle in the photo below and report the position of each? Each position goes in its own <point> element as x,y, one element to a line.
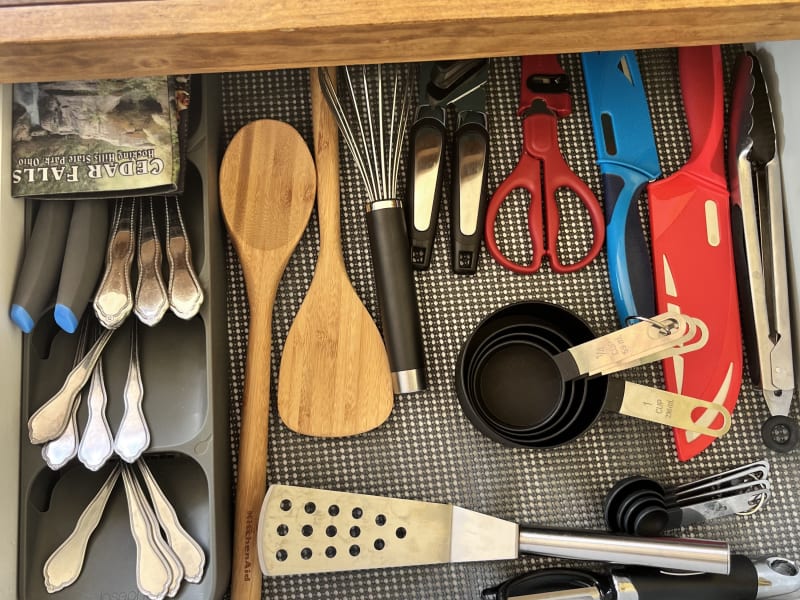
<point>83,261</point>
<point>44,254</point>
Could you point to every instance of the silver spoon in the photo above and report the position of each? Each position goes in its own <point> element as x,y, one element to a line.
<point>185,293</point>
<point>133,435</point>
<point>66,563</point>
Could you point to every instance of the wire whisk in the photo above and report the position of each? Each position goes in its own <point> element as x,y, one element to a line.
<point>372,92</point>
<point>372,116</point>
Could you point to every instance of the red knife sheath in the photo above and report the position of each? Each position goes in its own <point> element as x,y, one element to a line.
<point>692,249</point>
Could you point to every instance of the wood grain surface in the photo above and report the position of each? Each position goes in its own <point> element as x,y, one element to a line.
<point>267,184</point>
<point>150,37</point>
<point>334,378</point>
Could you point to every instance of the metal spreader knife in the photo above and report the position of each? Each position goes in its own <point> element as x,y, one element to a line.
<point>692,248</point>
<point>628,160</point>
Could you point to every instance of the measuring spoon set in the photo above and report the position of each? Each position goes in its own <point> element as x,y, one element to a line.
<point>162,561</point>
<point>115,298</point>
<point>641,506</point>
<point>55,426</point>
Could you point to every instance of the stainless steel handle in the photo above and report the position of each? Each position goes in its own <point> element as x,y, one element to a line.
<point>50,420</point>
<point>188,551</point>
<point>113,301</point>
<point>133,435</point>
<point>96,445</point>
<point>153,574</point>
<point>66,563</point>
<point>664,553</point>
<point>151,293</point>
<point>185,293</point>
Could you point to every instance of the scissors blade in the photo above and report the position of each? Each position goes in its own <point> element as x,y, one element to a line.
<point>628,160</point>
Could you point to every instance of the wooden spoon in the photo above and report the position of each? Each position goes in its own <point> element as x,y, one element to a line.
<point>266,185</point>
<point>334,377</point>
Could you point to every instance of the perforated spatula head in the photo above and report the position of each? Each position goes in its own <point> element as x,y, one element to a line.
<point>305,530</point>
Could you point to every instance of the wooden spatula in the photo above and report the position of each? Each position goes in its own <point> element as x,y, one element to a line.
<point>334,377</point>
<point>267,184</point>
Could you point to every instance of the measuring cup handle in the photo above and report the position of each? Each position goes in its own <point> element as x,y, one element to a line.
<point>663,407</point>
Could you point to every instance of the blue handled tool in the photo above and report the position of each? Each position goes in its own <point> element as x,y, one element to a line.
<point>628,160</point>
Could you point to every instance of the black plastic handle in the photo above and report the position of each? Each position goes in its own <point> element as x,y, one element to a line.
<point>740,584</point>
<point>426,149</point>
<point>468,209</point>
<point>38,277</point>
<point>397,296</point>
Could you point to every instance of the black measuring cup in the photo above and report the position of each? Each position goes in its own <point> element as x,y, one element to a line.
<point>498,374</point>
<point>516,416</point>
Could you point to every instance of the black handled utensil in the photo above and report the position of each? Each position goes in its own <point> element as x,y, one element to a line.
<point>458,83</point>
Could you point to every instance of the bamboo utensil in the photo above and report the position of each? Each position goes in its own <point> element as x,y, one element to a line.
<point>334,378</point>
<point>267,184</point>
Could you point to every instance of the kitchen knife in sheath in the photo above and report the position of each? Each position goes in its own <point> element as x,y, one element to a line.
<point>628,160</point>
<point>692,248</point>
<point>306,530</point>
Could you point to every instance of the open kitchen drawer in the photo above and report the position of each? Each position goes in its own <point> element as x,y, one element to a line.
<point>787,95</point>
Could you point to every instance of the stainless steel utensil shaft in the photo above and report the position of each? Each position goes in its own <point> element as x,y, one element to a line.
<point>664,553</point>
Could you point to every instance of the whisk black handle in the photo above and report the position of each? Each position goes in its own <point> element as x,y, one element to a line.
<point>397,296</point>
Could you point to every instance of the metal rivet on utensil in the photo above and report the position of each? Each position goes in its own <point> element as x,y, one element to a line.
<point>307,530</point>
<point>401,532</point>
<point>379,544</point>
<point>283,530</point>
<point>333,510</point>
<point>286,505</point>
<point>357,513</point>
<point>355,531</point>
<point>305,553</point>
<point>330,551</point>
<point>330,531</point>
<point>281,555</point>
<point>310,507</point>
<point>380,520</point>
<point>355,550</point>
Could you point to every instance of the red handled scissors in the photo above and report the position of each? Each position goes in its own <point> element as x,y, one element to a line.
<point>544,98</point>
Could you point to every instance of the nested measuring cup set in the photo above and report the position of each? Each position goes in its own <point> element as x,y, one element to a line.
<point>535,375</point>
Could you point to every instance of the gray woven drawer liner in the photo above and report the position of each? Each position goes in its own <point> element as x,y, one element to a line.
<point>428,450</point>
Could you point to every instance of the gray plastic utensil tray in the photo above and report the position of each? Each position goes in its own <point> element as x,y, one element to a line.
<point>184,372</point>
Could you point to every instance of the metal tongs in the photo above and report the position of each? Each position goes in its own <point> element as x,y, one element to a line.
<point>760,250</point>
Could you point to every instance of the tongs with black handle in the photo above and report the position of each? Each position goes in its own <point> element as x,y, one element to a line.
<point>760,250</point>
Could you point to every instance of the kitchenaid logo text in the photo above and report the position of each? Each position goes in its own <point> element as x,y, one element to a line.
<point>74,167</point>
